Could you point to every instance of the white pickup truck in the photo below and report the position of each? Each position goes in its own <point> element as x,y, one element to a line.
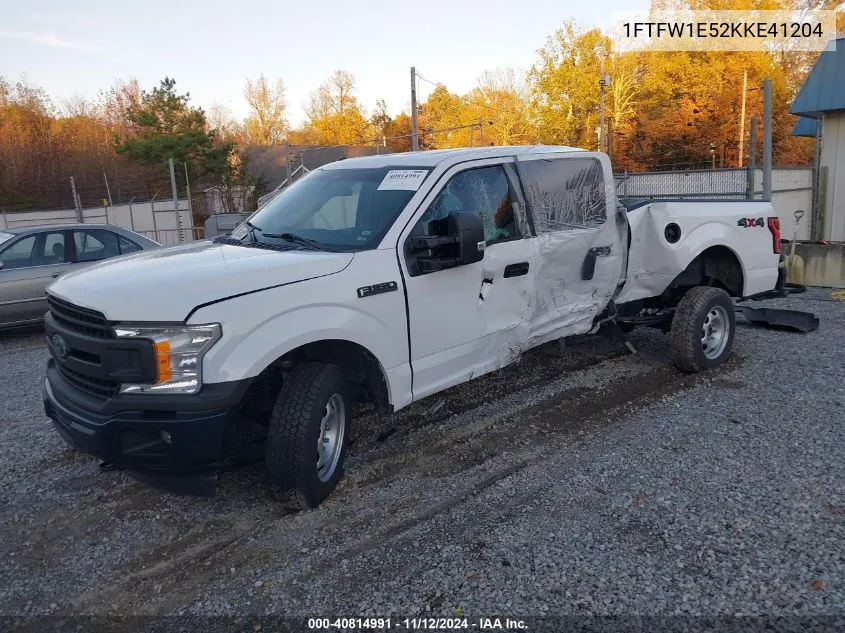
<point>382,279</point>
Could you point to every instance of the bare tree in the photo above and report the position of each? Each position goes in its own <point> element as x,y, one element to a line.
<point>266,124</point>
<point>79,106</point>
<point>500,100</point>
<point>624,88</point>
<point>221,119</point>
<point>334,96</point>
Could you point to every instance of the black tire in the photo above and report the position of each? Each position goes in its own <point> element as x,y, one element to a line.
<point>295,426</point>
<point>688,327</point>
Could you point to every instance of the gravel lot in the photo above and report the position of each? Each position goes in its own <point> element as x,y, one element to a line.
<point>589,482</point>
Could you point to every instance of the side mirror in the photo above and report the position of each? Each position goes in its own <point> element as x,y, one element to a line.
<point>1,264</point>
<point>457,240</point>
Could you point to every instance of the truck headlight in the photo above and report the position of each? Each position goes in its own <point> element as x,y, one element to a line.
<point>178,354</point>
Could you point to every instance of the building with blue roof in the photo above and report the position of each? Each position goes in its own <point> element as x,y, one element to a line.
<point>820,104</point>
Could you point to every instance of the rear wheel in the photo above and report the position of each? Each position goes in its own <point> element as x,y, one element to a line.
<point>308,434</point>
<point>703,329</point>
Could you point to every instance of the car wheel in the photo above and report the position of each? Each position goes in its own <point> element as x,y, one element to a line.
<point>308,434</point>
<point>703,329</point>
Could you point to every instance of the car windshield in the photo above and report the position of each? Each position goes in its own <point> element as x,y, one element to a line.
<point>334,209</point>
<point>5,237</point>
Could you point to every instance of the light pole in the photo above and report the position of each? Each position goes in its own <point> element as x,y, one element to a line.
<point>713,154</point>
<point>742,117</point>
<point>604,82</point>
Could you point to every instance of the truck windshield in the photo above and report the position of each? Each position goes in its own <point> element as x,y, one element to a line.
<point>334,209</point>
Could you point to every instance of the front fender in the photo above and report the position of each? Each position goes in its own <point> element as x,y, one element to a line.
<point>246,353</point>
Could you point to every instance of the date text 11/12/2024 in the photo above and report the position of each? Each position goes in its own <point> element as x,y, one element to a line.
<point>423,624</point>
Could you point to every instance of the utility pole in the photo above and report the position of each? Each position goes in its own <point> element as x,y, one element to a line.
<point>76,202</point>
<point>188,192</point>
<point>604,82</point>
<point>767,139</point>
<point>415,138</point>
<point>108,191</point>
<point>176,200</point>
<point>742,117</point>
<point>481,130</point>
<point>287,162</point>
<point>752,160</point>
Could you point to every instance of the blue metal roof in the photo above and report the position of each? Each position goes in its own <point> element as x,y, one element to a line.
<point>824,88</point>
<point>805,126</point>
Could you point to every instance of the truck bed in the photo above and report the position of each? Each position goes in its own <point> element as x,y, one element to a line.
<point>666,234</point>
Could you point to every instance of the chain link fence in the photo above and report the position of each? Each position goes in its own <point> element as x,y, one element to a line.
<point>726,184</point>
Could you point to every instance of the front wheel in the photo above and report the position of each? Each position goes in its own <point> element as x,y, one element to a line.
<point>703,329</point>
<point>308,434</point>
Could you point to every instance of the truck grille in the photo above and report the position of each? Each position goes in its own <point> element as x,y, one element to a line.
<point>80,320</point>
<point>94,386</point>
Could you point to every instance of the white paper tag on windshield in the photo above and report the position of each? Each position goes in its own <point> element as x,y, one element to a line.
<point>403,179</point>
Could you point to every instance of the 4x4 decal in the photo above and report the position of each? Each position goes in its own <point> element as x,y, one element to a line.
<point>750,222</point>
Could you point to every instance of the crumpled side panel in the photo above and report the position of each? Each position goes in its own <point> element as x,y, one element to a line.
<point>573,207</point>
<point>564,304</point>
<point>505,304</point>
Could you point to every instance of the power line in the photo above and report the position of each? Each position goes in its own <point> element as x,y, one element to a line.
<point>462,98</point>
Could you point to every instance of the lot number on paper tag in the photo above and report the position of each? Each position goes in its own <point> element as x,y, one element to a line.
<point>403,179</point>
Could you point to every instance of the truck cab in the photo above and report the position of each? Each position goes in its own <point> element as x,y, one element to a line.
<point>380,279</point>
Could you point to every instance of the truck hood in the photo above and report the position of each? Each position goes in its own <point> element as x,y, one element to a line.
<point>167,284</point>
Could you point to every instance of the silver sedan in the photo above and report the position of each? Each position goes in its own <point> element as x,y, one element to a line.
<point>32,257</point>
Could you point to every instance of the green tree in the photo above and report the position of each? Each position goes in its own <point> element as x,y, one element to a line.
<point>163,125</point>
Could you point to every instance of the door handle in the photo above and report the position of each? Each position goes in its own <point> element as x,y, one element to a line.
<point>588,268</point>
<point>516,270</point>
<point>54,275</point>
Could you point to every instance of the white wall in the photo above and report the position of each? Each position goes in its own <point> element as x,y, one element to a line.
<point>792,189</point>
<point>833,157</point>
<point>156,220</point>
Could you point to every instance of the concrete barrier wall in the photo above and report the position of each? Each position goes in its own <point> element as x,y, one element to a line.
<point>824,264</point>
<point>156,220</point>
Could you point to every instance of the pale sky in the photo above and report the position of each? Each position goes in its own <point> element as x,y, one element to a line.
<point>210,48</point>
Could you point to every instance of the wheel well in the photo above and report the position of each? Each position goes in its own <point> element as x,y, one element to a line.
<point>716,266</point>
<point>359,366</point>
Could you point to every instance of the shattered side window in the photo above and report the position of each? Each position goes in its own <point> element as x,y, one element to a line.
<point>484,191</point>
<point>564,193</point>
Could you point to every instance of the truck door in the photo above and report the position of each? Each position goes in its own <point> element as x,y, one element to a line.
<point>470,319</point>
<point>581,240</point>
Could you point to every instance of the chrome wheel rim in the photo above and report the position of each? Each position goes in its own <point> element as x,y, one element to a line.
<point>330,439</point>
<point>715,331</point>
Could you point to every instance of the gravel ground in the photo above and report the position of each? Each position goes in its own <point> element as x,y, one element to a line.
<point>591,482</point>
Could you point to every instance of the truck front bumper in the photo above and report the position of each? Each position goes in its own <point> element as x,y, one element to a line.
<point>175,443</point>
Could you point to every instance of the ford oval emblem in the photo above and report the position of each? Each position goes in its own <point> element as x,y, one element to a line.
<point>59,345</point>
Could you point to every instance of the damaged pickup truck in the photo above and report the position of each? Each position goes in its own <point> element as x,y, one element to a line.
<point>382,280</point>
